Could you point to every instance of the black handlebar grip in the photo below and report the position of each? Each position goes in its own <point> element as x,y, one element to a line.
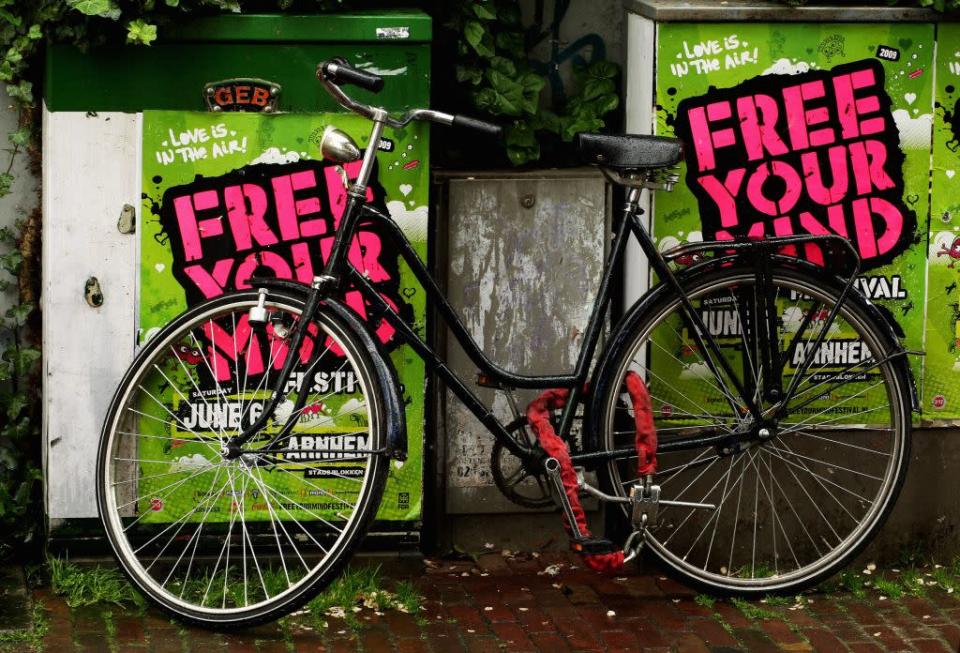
<point>340,72</point>
<point>488,128</point>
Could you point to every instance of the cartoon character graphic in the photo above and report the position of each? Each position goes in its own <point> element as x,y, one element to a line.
<point>953,251</point>
<point>187,354</point>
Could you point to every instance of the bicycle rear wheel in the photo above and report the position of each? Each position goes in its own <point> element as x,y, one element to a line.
<point>802,492</point>
<point>237,541</point>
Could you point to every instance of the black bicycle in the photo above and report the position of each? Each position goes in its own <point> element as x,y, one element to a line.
<point>266,420</point>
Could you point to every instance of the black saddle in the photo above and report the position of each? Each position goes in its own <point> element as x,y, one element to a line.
<point>628,151</point>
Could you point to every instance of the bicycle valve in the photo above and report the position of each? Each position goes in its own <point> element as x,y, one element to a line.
<point>258,313</point>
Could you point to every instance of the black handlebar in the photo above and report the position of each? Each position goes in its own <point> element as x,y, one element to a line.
<point>339,71</point>
<point>465,122</point>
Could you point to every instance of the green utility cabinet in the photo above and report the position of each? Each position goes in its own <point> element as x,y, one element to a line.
<point>128,129</point>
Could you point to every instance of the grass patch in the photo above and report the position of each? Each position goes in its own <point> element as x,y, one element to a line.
<point>888,588</point>
<point>363,588</point>
<point>704,600</point>
<point>28,638</point>
<point>853,582</point>
<point>947,579</point>
<point>89,586</point>
<point>753,611</point>
<point>912,582</point>
<point>774,600</point>
<point>723,623</point>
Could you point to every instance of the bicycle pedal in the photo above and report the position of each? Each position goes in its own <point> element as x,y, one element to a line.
<point>593,545</point>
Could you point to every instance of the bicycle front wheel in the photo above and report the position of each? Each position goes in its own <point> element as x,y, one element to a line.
<point>233,541</point>
<point>797,493</point>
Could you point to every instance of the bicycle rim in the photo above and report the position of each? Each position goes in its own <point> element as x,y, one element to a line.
<point>792,509</point>
<point>233,541</point>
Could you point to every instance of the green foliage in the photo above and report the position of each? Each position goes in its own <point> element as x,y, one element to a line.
<point>19,424</point>
<point>27,639</point>
<point>754,611</point>
<point>359,588</point>
<point>142,32</point>
<point>704,600</point>
<point>82,586</point>
<point>496,65</point>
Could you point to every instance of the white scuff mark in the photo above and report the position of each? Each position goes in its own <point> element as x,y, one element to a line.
<point>940,244</point>
<point>915,133</point>
<point>696,371</point>
<point>352,406</point>
<point>283,411</point>
<point>383,72</point>
<point>412,221</point>
<point>275,156</point>
<point>187,463</point>
<point>786,67</point>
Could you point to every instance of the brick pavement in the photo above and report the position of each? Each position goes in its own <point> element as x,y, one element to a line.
<point>513,604</point>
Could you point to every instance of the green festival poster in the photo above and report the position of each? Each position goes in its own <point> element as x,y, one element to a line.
<point>794,129</point>
<point>188,256</point>
<point>941,389</point>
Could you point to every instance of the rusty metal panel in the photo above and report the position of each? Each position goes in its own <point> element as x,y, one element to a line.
<point>524,256</point>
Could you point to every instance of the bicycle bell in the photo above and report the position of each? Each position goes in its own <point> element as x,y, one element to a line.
<point>337,146</point>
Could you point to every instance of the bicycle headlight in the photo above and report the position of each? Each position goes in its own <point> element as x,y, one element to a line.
<point>337,146</point>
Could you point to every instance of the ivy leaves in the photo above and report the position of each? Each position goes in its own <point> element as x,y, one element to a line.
<point>102,8</point>
<point>19,418</point>
<point>139,31</point>
<point>505,82</point>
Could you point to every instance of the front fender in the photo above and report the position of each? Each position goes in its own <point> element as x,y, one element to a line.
<point>396,421</point>
<point>619,339</point>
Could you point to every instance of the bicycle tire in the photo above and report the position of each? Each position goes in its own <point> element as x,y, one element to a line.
<point>263,596</point>
<point>796,446</point>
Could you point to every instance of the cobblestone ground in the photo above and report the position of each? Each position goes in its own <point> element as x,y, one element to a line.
<point>515,603</point>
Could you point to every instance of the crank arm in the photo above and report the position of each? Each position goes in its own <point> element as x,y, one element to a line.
<point>552,467</point>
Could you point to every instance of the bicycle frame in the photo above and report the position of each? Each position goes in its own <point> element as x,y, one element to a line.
<point>338,273</point>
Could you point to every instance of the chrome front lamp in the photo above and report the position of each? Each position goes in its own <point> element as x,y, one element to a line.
<point>338,147</point>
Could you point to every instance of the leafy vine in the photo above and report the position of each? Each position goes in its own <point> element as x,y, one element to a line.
<point>506,81</point>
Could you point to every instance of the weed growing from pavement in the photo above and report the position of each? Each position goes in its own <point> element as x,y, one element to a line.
<point>911,582</point>
<point>111,629</point>
<point>704,600</point>
<point>753,611</point>
<point>91,585</point>
<point>853,582</point>
<point>356,590</point>
<point>27,638</point>
<point>773,600</point>
<point>363,588</point>
<point>947,578</point>
<point>723,623</point>
<point>889,588</point>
